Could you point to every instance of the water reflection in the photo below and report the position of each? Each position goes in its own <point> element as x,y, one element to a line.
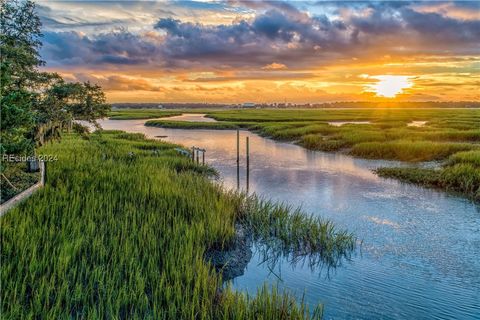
<point>341,123</point>
<point>416,124</point>
<point>274,259</point>
<point>192,117</point>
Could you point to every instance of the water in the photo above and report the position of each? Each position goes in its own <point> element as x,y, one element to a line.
<point>191,117</point>
<point>416,123</point>
<point>341,123</point>
<point>420,257</point>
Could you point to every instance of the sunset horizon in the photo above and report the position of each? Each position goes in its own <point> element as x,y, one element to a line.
<point>265,52</point>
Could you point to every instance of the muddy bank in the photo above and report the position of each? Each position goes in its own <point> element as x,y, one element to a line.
<point>232,261</point>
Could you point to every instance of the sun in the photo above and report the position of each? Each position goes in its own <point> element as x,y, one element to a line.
<point>389,86</point>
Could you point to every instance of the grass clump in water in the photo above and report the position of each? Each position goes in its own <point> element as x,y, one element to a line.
<point>120,232</point>
<point>317,142</point>
<point>461,174</point>
<point>408,150</point>
<point>466,157</point>
<point>282,230</point>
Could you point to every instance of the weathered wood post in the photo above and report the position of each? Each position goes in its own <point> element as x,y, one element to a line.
<point>238,147</point>
<point>248,165</point>
<point>193,153</point>
<point>238,159</point>
<point>198,155</point>
<point>203,157</point>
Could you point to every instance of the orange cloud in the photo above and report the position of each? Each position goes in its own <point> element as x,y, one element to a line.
<point>275,66</point>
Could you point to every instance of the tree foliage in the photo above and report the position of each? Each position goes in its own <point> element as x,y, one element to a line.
<point>35,105</point>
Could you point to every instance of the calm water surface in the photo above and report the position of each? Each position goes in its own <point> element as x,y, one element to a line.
<point>191,117</point>
<point>420,257</point>
<point>341,123</point>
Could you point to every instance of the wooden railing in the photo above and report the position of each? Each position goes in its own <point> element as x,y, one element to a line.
<point>26,193</point>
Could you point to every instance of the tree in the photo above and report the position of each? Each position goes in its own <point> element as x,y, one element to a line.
<point>19,45</point>
<point>36,106</point>
<point>63,102</point>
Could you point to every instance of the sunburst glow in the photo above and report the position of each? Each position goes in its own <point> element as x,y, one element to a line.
<point>389,86</point>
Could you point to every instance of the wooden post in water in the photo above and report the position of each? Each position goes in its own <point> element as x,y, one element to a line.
<point>193,153</point>
<point>203,157</point>
<point>198,156</point>
<point>238,147</point>
<point>248,164</point>
<point>238,159</point>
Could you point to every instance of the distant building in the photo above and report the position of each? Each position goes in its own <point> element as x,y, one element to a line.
<point>160,106</point>
<point>248,105</point>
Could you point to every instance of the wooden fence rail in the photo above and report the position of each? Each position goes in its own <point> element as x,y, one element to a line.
<point>26,193</point>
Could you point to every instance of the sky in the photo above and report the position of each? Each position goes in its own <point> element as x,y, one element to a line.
<point>266,51</point>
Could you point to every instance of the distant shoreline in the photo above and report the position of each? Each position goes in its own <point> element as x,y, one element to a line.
<point>329,105</point>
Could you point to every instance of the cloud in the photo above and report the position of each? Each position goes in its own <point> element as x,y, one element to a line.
<point>278,32</point>
<point>269,36</point>
<point>438,29</point>
<point>116,82</point>
<point>121,47</point>
<point>275,66</point>
<point>257,75</point>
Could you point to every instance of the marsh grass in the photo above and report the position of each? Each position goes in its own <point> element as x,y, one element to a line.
<point>120,232</point>
<point>283,231</point>
<point>408,150</point>
<point>466,157</point>
<point>317,142</point>
<point>461,174</point>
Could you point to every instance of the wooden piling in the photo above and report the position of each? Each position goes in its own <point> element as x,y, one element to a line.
<point>238,159</point>
<point>238,147</point>
<point>248,164</point>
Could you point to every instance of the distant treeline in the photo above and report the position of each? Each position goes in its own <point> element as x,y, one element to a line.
<point>165,105</point>
<point>347,104</point>
<point>423,104</point>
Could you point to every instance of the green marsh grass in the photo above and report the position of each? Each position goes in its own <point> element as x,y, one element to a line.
<point>460,178</point>
<point>460,173</point>
<point>119,232</point>
<point>466,157</point>
<point>283,230</point>
<point>407,150</point>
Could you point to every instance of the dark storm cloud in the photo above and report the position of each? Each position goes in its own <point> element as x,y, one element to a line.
<point>120,47</point>
<point>438,27</point>
<point>270,35</point>
<point>279,33</point>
